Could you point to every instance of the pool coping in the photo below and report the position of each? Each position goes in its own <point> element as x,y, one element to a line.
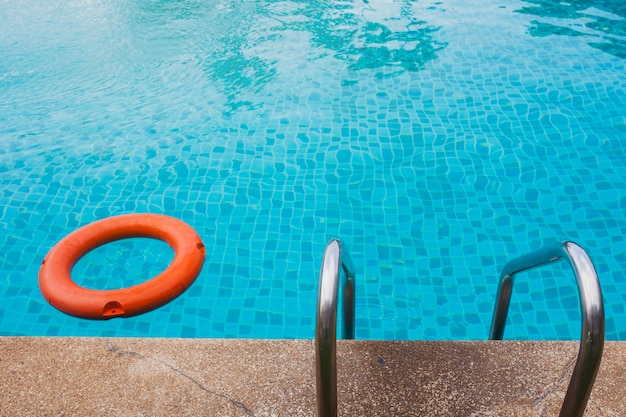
<point>60,376</point>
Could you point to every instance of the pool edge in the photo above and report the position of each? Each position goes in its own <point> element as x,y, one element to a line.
<point>251,377</point>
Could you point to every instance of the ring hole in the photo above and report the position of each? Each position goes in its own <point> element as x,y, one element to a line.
<point>122,263</point>
<point>112,309</point>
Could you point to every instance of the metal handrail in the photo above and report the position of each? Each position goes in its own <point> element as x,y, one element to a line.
<point>331,282</point>
<point>592,311</point>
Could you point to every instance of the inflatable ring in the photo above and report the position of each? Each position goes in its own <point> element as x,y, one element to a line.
<point>57,287</point>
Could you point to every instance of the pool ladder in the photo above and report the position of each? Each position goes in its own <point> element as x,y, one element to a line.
<point>332,282</point>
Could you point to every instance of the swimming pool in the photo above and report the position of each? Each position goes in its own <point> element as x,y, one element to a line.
<point>437,139</point>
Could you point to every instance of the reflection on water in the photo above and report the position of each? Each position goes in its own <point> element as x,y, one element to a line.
<point>231,39</point>
<point>369,37</point>
<point>221,38</point>
<point>603,21</point>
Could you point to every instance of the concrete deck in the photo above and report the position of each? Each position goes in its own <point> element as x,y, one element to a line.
<point>263,378</point>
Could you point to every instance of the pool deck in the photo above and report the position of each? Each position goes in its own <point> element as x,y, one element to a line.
<point>60,376</point>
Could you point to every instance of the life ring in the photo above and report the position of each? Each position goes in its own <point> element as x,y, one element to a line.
<point>57,287</point>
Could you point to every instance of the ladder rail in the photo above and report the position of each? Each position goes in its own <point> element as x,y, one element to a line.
<point>592,312</point>
<point>331,283</point>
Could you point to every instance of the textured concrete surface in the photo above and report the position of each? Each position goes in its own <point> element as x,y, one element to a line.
<point>229,377</point>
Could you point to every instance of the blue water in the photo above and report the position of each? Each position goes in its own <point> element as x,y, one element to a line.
<point>438,139</point>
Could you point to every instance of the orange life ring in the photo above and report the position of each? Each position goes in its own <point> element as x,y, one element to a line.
<point>57,287</point>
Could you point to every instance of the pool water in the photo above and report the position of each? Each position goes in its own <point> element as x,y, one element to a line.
<point>437,139</point>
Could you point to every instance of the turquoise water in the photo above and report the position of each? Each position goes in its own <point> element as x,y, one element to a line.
<point>437,139</point>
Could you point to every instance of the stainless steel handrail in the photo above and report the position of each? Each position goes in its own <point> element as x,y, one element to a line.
<point>592,311</point>
<point>331,282</point>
